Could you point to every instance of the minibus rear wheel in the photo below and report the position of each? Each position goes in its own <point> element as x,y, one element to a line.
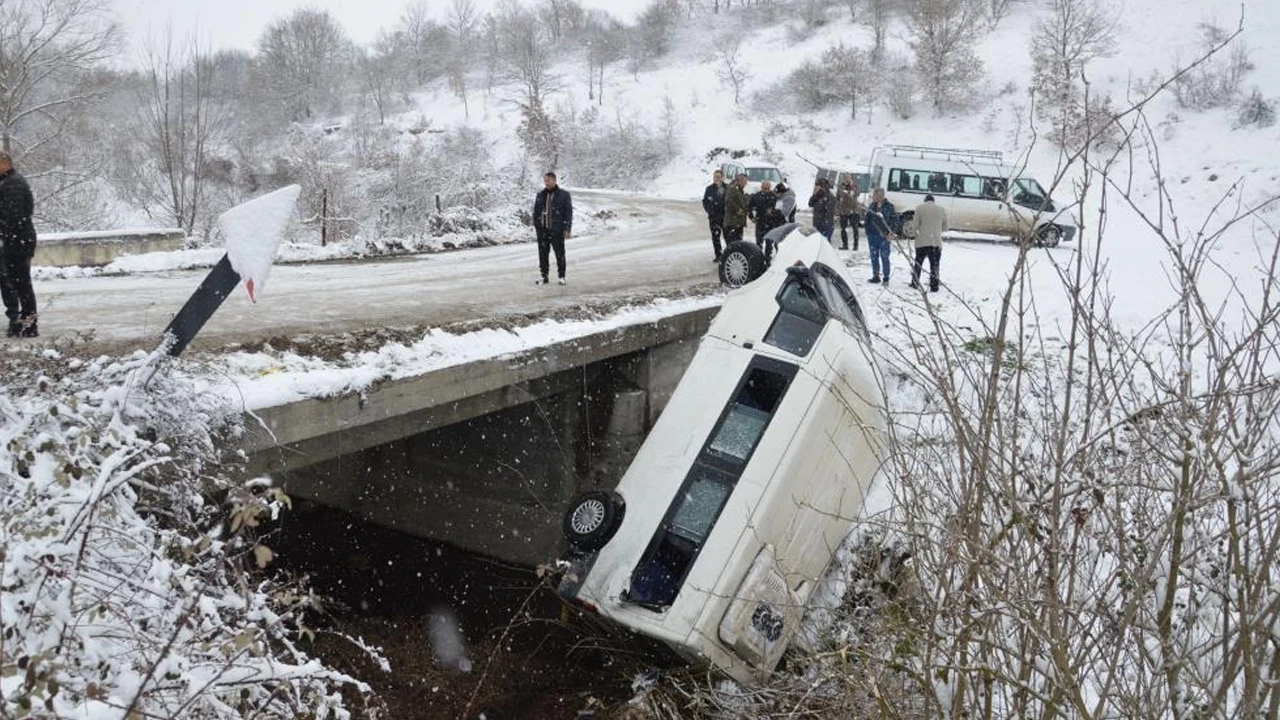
<point>592,519</point>
<point>1049,236</point>
<point>740,263</point>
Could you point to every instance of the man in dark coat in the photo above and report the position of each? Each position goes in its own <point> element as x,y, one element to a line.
<point>17,246</point>
<point>847,209</point>
<point>713,204</point>
<point>759,207</point>
<point>553,221</point>
<point>735,209</point>
<point>824,208</point>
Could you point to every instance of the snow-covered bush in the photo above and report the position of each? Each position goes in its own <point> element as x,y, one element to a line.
<point>1256,111</point>
<point>1216,81</point>
<point>125,589</point>
<point>622,154</point>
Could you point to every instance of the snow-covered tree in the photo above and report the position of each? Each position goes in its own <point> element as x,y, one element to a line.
<point>942,36</point>
<point>305,58</point>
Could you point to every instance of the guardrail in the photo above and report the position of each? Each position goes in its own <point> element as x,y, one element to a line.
<point>94,249</point>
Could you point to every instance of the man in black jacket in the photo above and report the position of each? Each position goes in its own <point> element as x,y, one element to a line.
<point>759,207</point>
<point>17,246</point>
<point>553,221</point>
<point>713,204</point>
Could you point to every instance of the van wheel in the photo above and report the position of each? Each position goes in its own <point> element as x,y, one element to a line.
<point>1049,236</point>
<point>740,263</point>
<point>592,519</point>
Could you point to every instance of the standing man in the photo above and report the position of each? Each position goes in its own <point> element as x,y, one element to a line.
<point>553,220</point>
<point>759,208</point>
<point>735,210</point>
<point>931,222</point>
<point>847,209</point>
<point>824,208</point>
<point>17,246</point>
<point>881,218</point>
<point>713,204</point>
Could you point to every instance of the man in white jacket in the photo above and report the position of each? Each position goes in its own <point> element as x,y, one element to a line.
<point>931,222</point>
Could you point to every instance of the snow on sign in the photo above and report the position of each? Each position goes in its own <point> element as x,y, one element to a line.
<point>252,231</point>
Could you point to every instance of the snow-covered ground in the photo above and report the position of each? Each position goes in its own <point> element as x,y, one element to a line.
<point>1203,161</point>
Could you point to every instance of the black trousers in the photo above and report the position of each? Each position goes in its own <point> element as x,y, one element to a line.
<point>716,229</point>
<point>934,256</point>
<point>15,282</point>
<point>845,222</point>
<point>732,234</point>
<point>549,240</point>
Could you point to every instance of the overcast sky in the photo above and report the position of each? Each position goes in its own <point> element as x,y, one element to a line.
<point>238,23</point>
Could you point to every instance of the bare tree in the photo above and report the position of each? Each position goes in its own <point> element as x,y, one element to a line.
<point>181,123</point>
<point>463,23</point>
<point>46,47</point>
<point>996,11</point>
<point>730,69</point>
<point>378,73</point>
<point>942,34</point>
<point>423,40</point>
<point>562,18</point>
<point>606,40</point>
<point>304,57</point>
<point>877,15</point>
<point>527,58</point>
<point>1217,82</point>
<point>670,124</point>
<point>1065,41</point>
<point>848,69</point>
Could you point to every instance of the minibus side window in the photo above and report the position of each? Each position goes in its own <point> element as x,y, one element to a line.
<point>658,577</point>
<point>840,299</point>
<point>799,321</point>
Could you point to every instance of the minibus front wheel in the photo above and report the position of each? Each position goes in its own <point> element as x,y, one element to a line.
<point>741,262</point>
<point>1049,236</point>
<point>592,519</point>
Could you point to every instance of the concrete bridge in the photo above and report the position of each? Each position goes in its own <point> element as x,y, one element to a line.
<point>485,455</point>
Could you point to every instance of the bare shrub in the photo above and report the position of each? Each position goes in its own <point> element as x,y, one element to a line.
<point>620,154</point>
<point>1256,111</point>
<point>902,88</point>
<point>1217,81</point>
<point>837,77</point>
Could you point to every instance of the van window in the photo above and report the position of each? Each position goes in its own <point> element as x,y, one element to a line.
<point>966,186</point>
<point>657,578</point>
<point>918,181</point>
<point>1027,192</point>
<point>799,320</point>
<point>760,174</point>
<point>837,296</point>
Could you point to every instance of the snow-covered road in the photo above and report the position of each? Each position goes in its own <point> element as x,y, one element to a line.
<point>663,246</point>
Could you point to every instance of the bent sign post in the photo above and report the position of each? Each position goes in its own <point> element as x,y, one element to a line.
<point>252,232</point>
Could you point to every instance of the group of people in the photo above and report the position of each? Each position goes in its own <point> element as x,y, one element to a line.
<point>17,247</point>
<point>728,209</point>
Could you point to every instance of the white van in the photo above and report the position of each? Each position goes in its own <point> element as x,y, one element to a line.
<point>980,193</point>
<point>753,475</point>
<point>756,170</point>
